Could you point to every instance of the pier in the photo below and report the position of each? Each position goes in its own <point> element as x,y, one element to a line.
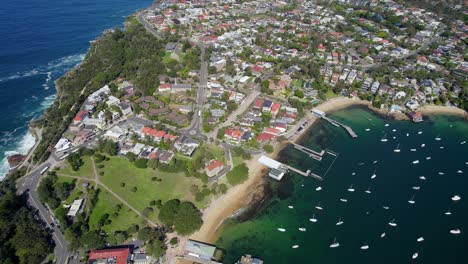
<point>338,124</point>
<point>312,153</point>
<point>278,169</point>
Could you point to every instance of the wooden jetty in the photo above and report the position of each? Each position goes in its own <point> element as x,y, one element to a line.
<point>338,124</point>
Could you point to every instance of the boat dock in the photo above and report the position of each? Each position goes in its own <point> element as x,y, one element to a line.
<point>312,153</point>
<point>278,169</point>
<point>338,124</point>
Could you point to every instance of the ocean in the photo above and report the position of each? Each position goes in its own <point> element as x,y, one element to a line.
<point>41,40</point>
<point>439,156</point>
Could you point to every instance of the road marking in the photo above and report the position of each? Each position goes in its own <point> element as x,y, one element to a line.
<point>55,235</point>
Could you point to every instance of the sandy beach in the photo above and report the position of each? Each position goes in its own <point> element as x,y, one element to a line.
<point>240,196</point>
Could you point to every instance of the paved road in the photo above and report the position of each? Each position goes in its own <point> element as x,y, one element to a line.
<point>29,185</point>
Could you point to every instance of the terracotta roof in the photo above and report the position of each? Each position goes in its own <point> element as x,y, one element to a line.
<point>120,254</point>
<point>214,164</point>
<point>265,136</point>
<point>275,107</point>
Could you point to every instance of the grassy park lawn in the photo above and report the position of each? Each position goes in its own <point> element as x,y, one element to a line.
<point>120,170</point>
<point>85,171</point>
<point>107,204</point>
<point>330,94</point>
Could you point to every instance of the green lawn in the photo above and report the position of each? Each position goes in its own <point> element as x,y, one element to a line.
<point>107,203</point>
<point>330,94</point>
<point>173,185</point>
<point>218,152</point>
<point>167,58</point>
<point>236,160</point>
<point>85,171</point>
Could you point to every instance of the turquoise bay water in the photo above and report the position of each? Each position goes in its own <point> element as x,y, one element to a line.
<point>364,218</point>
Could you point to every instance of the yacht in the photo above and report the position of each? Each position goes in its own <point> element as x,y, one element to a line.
<point>384,139</point>
<point>334,244</point>
<point>353,173</point>
<point>416,188</point>
<point>373,175</point>
<point>422,178</point>
<point>397,148</point>
<point>423,145</point>
<point>462,143</point>
<point>382,235</point>
<point>367,129</point>
<point>459,171</point>
<point>295,246</point>
<point>419,132</point>
<point>385,207</point>
<point>368,190</point>
<point>351,189</point>
<point>393,130</point>
<point>387,125</point>
<point>281,229</point>
<point>415,255</point>
<point>421,239</point>
<point>428,158</point>
<point>318,188</point>
<point>375,161</point>
<point>302,229</point>
<point>455,231</point>
<point>438,138</point>
<point>365,247</point>
<point>448,213</point>
<point>318,206</point>
<point>344,200</point>
<point>442,147</point>
<point>394,137</point>
<point>456,198</point>
<point>407,134</point>
<point>413,149</point>
<point>290,207</point>
<point>441,173</point>
<point>340,222</point>
<point>392,223</point>
<point>313,219</point>
<point>412,201</point>
<point>416,162</point>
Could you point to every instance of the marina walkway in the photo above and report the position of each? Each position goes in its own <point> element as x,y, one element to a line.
<point>338,124</point>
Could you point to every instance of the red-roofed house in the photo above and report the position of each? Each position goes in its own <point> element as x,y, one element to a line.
<point>159,135</point>
<point>275,107</point>
<point>422,60</point>
<point>213,167</point>
<point>265,137</point>
<point>165,87</point>
<point>321,48</point>
<point>273,131</point>
<point>119,255</point>
<point>80,116</point>
<point>257,69</point>
<point>258,104</point>
<point>170,137</point>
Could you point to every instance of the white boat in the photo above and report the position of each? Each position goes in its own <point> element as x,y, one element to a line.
<point>407,134</point>
<point>413,149</point>
<point>375,161</point>
<point>423,145</point>
<point>416,162</point>
<point>421,239</point>
<point>313,219</point>
<point>385,207</point>
<point>340,222</point>
<point>387,125</point>
<point>441,173</point>
<point>437,138</point>
<point>318,206</point>
<point>344,200</point>
<point>367,129</point>
<point>334,244</point>
<point>412,201</point>
<point>353,173</point>
<point>318,188</point>
<point>442,147</point>
<point>368,190</point>
<point>448,213</point>
<point>456,198</point>
<point>397,148</point>
<point>428,158</point>
<point>384,139</point>
<point>394,137</point>
<point>290,207</point>
<point>302,229</point>
<point>281,229</point>
<point>416,187</point>
<point>463,142</point>
<point>351,189</point>
<point>415,255</point>
<point>459,171</point>
<point>382,235</point>
<point>419,132</point>
<point>365,247</point>
<point>422,178</point>
<point>455,231</point>
<point>295,246</point>
<point>392,223</point>
<point>393,130</point>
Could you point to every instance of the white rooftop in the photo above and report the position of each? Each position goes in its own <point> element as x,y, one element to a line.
<point>270,163</point>
<point>75,207</point>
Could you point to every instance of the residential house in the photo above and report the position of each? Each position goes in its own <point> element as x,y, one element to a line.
<point>186,145</point>
<point>213,167</point>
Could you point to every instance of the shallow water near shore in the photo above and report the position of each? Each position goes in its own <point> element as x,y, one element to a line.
<point>364,218</point>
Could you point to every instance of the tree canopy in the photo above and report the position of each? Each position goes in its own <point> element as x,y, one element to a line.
<point>184,216</point>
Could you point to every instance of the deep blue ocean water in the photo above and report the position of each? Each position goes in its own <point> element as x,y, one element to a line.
<point>41,40</point>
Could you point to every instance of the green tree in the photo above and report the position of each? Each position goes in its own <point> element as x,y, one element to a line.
<point>268,148</point>
<point>141,163</point>
<point>238,174</point>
